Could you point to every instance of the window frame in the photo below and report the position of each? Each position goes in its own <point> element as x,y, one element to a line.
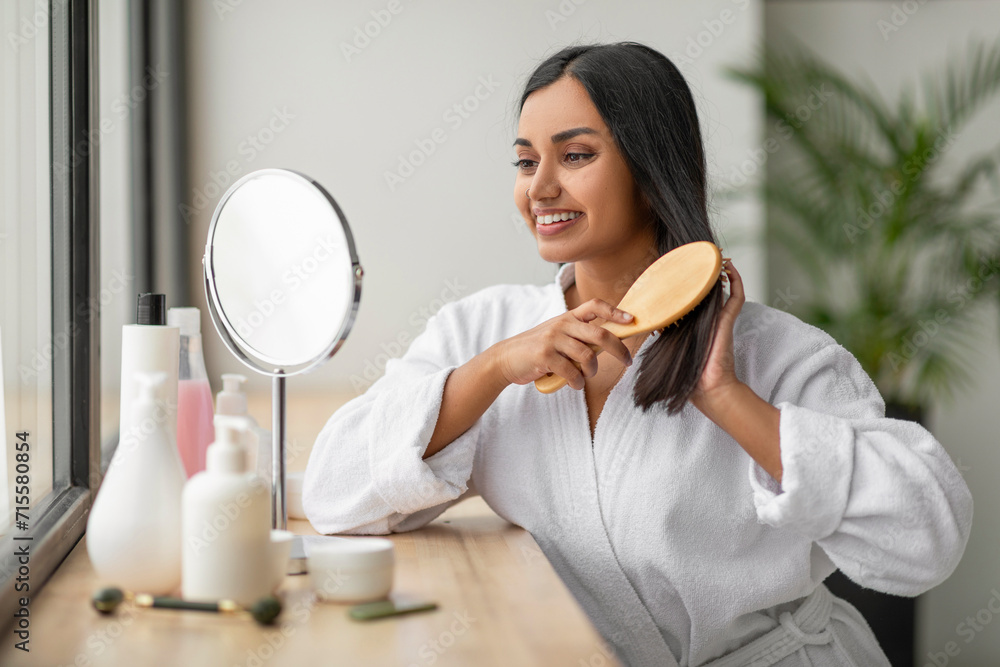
<point>57,522</point>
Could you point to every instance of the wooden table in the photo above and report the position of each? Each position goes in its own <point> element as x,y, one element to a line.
<point>500,603</point>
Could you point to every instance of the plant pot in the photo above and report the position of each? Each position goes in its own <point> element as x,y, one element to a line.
<point>892,618</point>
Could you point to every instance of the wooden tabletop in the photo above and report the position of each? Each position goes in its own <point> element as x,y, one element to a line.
<point>499,603</point>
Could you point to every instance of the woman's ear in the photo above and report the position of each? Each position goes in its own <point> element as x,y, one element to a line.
<point>651,218</point>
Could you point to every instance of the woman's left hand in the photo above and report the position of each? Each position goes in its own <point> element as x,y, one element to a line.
<point>719,374</point>
<point>732,405</point>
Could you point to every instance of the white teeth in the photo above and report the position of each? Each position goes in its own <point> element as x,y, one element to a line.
<point>557,217</point>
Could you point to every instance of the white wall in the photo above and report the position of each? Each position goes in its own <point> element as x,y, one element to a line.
<point>850,35</point>
<point>451,228</point>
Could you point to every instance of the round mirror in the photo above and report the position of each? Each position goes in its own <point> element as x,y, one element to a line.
<point>281,272</point>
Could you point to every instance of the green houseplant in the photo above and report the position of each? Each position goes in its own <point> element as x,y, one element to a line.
<point>886,242</point>
<point>892,247</point>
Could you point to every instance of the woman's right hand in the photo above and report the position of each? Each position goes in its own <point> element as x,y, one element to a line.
<point>555,344</point>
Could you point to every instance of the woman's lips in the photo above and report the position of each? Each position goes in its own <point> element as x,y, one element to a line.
<point>556,227</point>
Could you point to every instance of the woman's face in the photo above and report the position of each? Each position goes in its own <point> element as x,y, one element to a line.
<point>569,161</point>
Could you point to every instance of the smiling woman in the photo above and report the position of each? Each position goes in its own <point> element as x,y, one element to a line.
<point>628,166</point>
<point>694,502</point>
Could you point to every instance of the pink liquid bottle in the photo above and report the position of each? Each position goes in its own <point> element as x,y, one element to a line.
<point>195,429</point>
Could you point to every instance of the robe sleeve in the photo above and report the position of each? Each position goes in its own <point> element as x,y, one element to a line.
<point>880,496</point>
<point>365,474</point>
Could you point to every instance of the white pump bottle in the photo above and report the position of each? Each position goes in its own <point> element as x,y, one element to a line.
<point>134,528</point>
<point>226,524</point>
<point>232,400</point>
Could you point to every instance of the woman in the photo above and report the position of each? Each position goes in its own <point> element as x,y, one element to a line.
<point>693,502</point>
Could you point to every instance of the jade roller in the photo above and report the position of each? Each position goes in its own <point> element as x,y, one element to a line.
<point>264,611</point>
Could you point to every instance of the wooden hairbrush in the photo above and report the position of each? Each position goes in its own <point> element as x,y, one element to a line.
<point>665,292</point>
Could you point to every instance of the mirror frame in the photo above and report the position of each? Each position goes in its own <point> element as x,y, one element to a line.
<point>222,324</point>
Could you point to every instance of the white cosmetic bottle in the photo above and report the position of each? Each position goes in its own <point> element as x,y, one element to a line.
<point>134,528</point>
<point>150,346</point>
<point>232,401</point>
<point>226,548</point>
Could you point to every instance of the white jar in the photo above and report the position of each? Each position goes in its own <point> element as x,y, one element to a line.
<point>352,570</point>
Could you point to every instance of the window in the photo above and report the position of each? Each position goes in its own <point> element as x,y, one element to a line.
<point>26,334</point>
<point>49,320</point>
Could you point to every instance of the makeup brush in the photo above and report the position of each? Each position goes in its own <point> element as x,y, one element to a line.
<point>264,610</point>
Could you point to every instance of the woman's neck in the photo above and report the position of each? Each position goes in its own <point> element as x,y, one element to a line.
<point>608,278</point>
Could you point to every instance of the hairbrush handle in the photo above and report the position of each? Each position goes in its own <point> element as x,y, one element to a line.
<point>550,382</point>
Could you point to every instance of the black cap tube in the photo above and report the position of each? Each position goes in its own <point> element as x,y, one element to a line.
<point>152,309</point>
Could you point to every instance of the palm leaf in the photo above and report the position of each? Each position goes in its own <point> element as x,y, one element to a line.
<point>966,85</point>
<point>860,206</point>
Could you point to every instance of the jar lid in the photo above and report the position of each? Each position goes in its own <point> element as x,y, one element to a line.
<point>359,553</point>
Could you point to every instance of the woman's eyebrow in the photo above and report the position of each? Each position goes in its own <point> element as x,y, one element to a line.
<point>559,137</point>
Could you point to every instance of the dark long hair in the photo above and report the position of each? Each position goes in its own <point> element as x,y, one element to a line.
<point>651,114</point>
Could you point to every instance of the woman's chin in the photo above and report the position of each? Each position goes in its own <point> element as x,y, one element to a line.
<point>555,255</point>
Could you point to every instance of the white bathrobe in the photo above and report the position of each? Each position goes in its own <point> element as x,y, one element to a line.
<point>678,546</point>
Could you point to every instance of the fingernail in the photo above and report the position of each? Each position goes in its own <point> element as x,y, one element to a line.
<point>627,316</point>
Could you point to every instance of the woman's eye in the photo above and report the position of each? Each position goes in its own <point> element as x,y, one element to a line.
<point>570,158</point>
<point>576,158</point>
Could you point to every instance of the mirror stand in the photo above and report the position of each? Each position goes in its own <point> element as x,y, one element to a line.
<point>268,222</point>
<point>279,512</point>
<point>279,507</point>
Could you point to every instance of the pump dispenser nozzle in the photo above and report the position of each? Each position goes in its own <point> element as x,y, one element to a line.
<point>226,454</point>
<point>231,400</point>
<point>149,384</point>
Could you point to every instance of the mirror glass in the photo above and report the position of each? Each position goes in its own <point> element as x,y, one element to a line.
<point>282,271</point>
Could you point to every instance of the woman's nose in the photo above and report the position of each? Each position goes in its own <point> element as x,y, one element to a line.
<point>544,184</point>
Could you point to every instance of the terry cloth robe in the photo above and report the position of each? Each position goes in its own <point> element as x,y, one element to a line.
<point>676,544</point>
